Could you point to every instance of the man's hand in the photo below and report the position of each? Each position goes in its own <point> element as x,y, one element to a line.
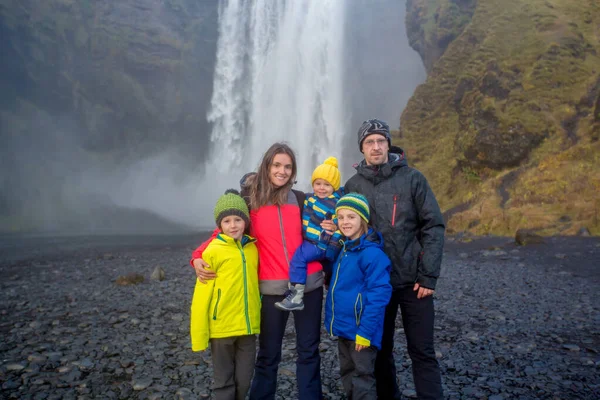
<point>328,226</point>
<point>422,292</point>
<point>202,270</point>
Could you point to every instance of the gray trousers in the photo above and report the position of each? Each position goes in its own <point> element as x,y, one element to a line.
<point>233,364</point>
<point>357,370</point>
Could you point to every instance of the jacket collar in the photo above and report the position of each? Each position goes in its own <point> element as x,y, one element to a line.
<point>378,173</point>
<point>369,239</point>
<point>228,239</point>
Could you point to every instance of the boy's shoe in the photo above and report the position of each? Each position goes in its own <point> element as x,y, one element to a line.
<point>293,299</point>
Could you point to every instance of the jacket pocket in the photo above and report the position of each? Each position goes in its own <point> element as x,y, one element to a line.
<point>358,308</point>
<point>217,304</point>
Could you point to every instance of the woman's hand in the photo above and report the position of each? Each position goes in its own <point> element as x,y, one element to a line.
<point>202,270</point>
<point>328,226</point>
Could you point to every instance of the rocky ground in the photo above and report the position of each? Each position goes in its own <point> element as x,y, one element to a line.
<point>512,322</point>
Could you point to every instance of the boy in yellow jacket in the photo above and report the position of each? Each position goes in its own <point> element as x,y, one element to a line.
<point>226,310</point>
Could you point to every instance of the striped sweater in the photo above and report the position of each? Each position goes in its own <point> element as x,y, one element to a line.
<point>315,211</point>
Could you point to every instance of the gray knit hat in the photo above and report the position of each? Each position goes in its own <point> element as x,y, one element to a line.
<point>373,126</point>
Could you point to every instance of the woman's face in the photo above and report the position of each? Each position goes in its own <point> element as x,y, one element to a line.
<point>280,170</point>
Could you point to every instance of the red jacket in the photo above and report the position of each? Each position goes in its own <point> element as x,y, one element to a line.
<point>278,232</point>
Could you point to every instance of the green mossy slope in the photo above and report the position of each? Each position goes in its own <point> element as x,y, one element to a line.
<point>506,126</point>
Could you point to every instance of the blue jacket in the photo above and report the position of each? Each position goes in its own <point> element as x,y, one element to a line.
<point>360,290</point>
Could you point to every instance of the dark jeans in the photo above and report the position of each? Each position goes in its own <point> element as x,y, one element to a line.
<point>233,363</point>
<point>305,253</point>
<point>357,370</point>
<point>308,364</point>
<point>417,318</point>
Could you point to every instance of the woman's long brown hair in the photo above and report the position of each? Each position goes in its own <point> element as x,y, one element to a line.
<point>261,190</point>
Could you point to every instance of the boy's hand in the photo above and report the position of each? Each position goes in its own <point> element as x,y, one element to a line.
<point>328,226</point>
<point>359,347</point>
<point>202,270</point>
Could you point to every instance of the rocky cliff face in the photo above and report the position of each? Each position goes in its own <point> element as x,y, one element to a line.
<point>127,73</point>
<point>506,126</point>
<point>89,87</point>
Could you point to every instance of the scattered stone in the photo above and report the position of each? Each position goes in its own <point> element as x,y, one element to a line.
<point>141,384</point>
<point>524,237</point>
<point>501,327</point>
<point>409,393</point>
<point>571,347</point>
<point>14,367</point>
<point>129,279</point>
<point>158,274</point>
<point>184,394</point>
<point>584,232</point>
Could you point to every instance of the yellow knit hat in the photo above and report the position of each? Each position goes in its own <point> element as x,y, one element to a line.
<point>328,171</point>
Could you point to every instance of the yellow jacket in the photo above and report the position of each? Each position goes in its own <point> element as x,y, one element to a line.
<point>230,304</point>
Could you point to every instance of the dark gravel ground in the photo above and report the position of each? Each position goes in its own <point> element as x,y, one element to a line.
<point>512,322</point>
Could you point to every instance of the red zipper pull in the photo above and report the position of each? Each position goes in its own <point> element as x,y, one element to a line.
<point>394,210</point>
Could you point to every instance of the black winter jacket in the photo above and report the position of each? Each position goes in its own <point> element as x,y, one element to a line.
<point>405,211</point>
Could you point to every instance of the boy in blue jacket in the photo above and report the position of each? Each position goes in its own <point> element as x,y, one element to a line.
<point>359,292</point>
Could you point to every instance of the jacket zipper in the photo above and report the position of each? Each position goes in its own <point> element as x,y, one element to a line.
<point>394,210</point>
<point>287,258</point>
<point>217,304</point>
<point>245,287</point>
<point>337,275</point>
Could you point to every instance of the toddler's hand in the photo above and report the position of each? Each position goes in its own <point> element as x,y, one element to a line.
<point>328,226</point>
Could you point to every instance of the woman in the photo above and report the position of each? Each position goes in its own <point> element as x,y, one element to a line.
<point>275,222</point>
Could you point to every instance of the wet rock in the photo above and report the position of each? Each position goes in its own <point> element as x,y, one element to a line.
<point>584,232</point>
<point>525,237</point>
<point>500,329</point>
<point>141,383</point>
<point>184,394</point>
<point>129,279</point>
<point>158,274</point>
<point>14,367</point>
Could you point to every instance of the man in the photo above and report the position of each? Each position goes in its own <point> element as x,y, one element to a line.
<point>405,211</point>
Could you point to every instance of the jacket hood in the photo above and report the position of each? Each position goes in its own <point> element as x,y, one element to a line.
<point>369,239</point>
<point>378,173</point>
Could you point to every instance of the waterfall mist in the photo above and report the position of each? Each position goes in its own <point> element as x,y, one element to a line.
<point>307,73</point>
<point>300,71</point>
<point>278,77</point>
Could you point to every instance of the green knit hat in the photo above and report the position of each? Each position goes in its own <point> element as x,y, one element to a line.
<point>355,202</point>
<point>231,203</point>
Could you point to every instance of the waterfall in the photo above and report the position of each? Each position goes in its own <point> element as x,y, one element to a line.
<point>278,77</point>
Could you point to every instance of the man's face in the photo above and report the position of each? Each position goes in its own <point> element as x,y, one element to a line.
<point>375,147</point>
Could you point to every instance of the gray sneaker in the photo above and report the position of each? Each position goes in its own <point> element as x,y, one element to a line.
<point>293,299</point>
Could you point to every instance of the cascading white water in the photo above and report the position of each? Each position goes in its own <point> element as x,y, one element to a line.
<point>278,77</point>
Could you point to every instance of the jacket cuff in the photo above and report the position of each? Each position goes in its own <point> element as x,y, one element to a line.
<point>362,341</point>
<point>427,282</point>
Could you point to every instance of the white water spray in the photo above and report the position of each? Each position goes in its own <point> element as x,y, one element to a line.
<point>278,77</point>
